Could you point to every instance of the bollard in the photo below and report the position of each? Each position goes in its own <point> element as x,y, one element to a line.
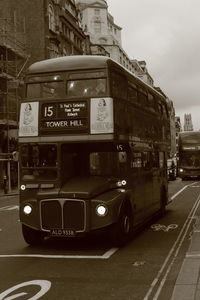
<point>5,184</point>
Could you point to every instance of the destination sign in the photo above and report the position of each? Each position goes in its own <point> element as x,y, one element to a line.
<point>191,147</point>
<point>64,110</point>
<point>77,123</point>
<point>64,115</point>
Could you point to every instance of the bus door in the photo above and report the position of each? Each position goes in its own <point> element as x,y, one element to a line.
<point>153,162</point>
<point>138,186</point>
<point>158,174</point>
<point>157,162</point>
<point>149,177</point>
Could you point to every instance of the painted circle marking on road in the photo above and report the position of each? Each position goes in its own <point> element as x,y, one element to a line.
<point>44,284</point>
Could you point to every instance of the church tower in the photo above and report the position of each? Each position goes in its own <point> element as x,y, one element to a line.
<point>188,126</point>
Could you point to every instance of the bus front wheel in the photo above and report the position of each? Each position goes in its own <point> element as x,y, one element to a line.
<point>121,232</point>
<point>32,236</point>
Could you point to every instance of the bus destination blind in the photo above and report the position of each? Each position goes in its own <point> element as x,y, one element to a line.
<point>64,116</point>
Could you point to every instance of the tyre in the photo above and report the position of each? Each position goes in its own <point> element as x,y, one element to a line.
<point>32,236</point>
<point>121,232</point>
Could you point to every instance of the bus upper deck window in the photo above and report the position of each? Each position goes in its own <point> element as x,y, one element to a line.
<point>52,89</point>
<point>45,90</point>
<point>88,87</point>
<point>33,90</point>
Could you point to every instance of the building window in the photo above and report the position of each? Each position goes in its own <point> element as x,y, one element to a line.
<point>97,27</point>
<point>54,51</point>
<point>97,12</point>
<point>51,18</point>
<point>102,41</point>
<point>64,51</point>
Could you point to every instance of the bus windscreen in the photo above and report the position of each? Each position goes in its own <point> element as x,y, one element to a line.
<point>39,161</point>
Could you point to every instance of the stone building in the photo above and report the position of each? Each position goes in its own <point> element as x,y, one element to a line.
<point>188,126</point>
<point>105,36</point>
<point>178,130</point>
<point>172,117</point>
<point>52,28</point>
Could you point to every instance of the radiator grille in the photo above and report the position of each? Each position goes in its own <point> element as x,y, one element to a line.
<point>63,214</point>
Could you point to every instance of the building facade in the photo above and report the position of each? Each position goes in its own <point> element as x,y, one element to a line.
<point>99,24</point>
<point>172,117</point>
<point>178,130</point>
<point>57,30</point>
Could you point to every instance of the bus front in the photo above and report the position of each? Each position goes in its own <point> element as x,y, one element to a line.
<point>72,173</point>
<point>189,155</point>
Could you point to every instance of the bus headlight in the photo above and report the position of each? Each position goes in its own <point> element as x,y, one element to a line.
<point>101,210</point>
<point>181,170</point>
<point>23,187</point>
<point>121,183</point>
<point>27,209</point>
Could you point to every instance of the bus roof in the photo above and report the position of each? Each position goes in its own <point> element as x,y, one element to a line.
<point>82,62</point>
<point>66,63</point>
<point>190,136</point>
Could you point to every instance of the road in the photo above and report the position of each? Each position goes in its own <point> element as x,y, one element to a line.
<point>92,269</point>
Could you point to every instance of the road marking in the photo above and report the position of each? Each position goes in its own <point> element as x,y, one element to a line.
<point>9,207</point>
<point>192,255</point>
<point>194,186</point>
<point>159,227</point>
<point>44,287</point>
<point>162,275</point>
<point>181,190</point>
<point>106,255</point>
<point>109,253</point>
<point>138,263</point>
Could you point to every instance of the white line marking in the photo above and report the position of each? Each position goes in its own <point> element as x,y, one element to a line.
<point>106,255</point>
<point>9,207</point>
<point>181,190</point>
<point>192,255</point>
<point>175,248</point>
<point>109,253</point>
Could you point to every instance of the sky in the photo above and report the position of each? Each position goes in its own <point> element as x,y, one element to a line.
<point>166,34</point>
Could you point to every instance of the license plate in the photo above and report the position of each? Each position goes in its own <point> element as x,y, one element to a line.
<point>63,232</point>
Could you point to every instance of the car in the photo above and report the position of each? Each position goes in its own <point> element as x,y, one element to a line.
<point>171,169</point>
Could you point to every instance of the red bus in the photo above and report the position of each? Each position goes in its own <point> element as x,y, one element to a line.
<point>93,147</point>
<point>189,154</point>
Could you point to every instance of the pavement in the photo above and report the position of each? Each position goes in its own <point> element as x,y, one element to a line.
<point>13,192</point>
<point>187,286</point>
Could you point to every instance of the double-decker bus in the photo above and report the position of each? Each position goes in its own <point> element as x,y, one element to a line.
<point>93,147</point>
<point>189,154</point>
